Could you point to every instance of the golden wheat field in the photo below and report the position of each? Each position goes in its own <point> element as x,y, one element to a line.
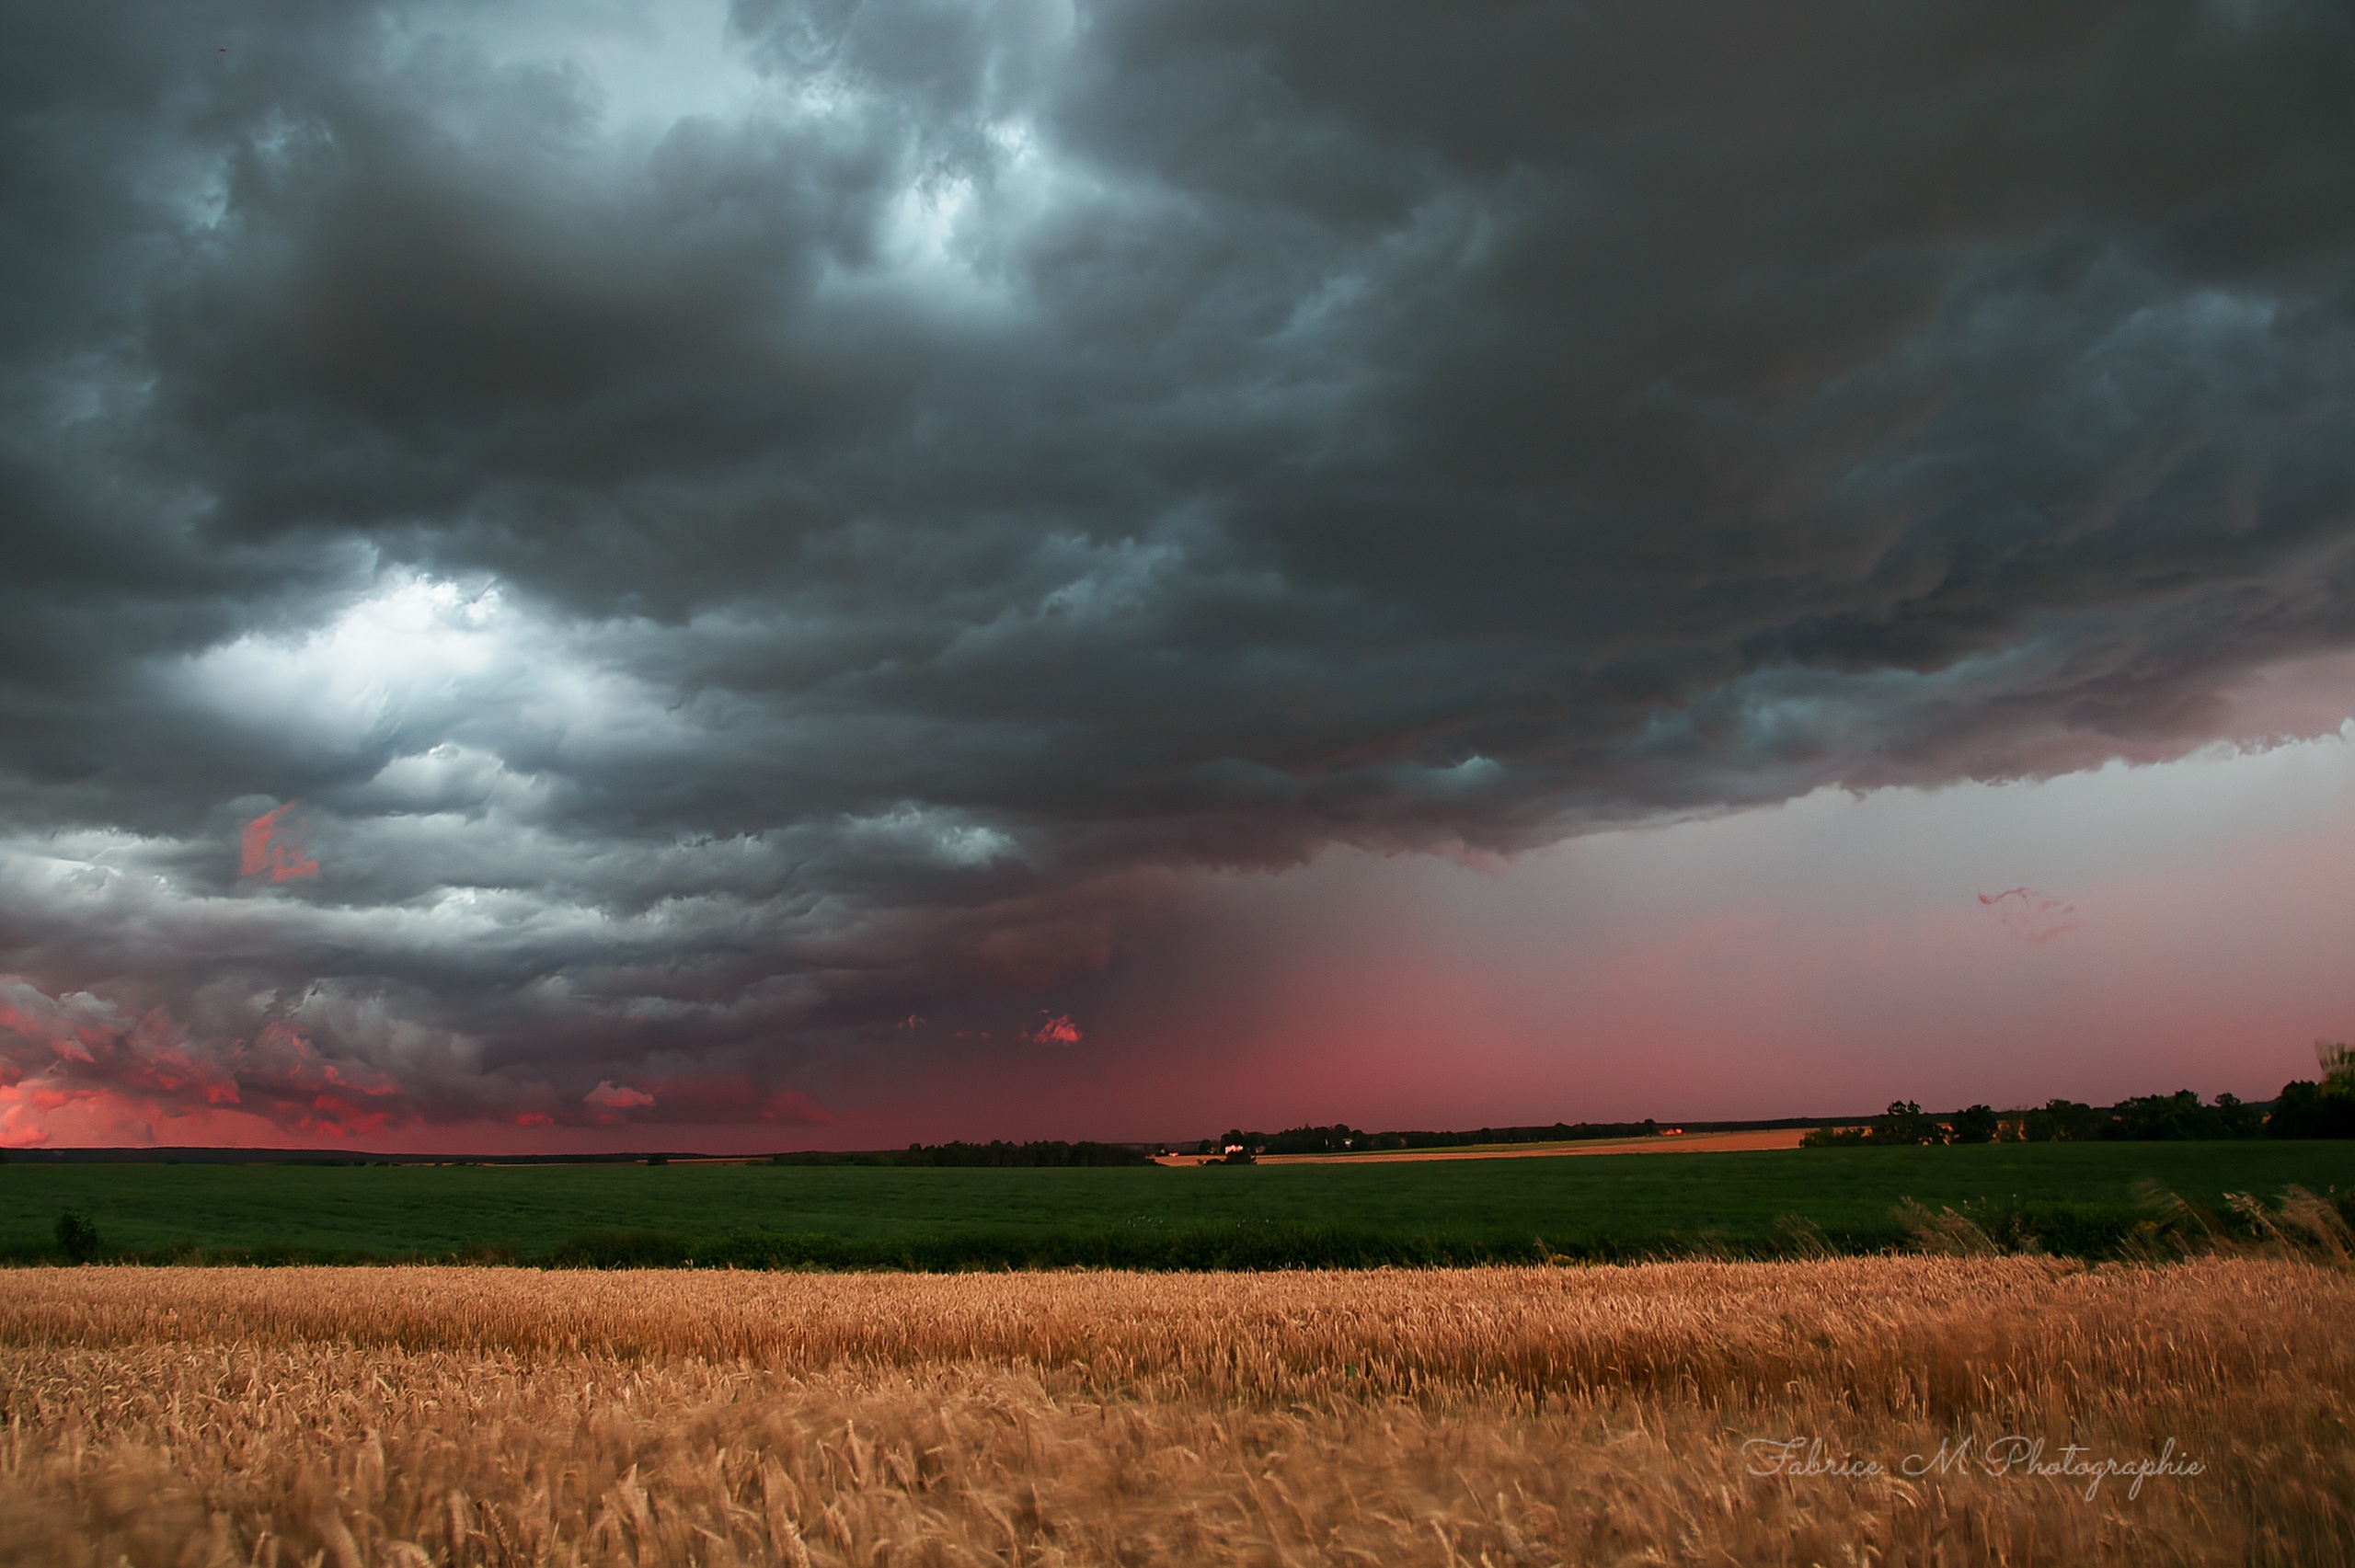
<point>1690,1412</point>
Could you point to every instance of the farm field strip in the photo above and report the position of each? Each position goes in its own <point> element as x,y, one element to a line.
<point>1611,1207</point>
<point>462,1416</point>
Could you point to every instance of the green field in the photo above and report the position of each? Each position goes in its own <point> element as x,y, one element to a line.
<point>2085,1199</point>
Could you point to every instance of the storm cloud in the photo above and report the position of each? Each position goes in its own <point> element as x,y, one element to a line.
<point>740,529</point>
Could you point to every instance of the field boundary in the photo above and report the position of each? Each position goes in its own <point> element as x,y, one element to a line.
<point>1663,1143</point>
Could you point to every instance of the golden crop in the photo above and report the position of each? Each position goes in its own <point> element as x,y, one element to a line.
<point>429,1416</point>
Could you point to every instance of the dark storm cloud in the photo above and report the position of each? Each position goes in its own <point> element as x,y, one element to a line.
<point>721,583</point>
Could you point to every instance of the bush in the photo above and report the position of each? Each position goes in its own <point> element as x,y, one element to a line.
<point>77,1237</point>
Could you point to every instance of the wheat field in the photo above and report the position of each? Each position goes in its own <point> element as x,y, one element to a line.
<point>408,1416</point>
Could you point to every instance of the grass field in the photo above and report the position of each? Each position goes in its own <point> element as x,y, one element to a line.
<point>1693,1412</point>
<point>2079,1198</point>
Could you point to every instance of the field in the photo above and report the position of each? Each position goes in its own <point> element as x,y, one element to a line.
<point>2077,1198</point>
<point>1849,1410</point>
<point>1695,1143</point>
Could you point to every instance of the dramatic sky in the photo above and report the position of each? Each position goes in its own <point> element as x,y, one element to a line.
<point>646,573</point>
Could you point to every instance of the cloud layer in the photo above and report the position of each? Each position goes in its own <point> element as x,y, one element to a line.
<point>743,528</point>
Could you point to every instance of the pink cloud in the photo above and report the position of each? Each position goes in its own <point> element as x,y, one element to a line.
<point>615,1097</point>
<point>274,843</point>
<point>81,1068</point>
<point>1058,1030</point>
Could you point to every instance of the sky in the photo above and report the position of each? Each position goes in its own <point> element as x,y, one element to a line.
<point>749,575</point>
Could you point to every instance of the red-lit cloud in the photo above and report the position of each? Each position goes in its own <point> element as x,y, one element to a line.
<point>1058,1030</point>
<point>83,1052</point>
<point>81,1068</point>
<point>275,845</point>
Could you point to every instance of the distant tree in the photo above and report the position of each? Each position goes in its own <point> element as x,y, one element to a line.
<point>2157,1118</point>
<point>1048,1152</point>
<point>2237,1118</point>
<point>1834,1137</point>
<point>1336,1139</point>
<point>1045,1151</point>
<point>1976,1125</point>
<point>2060,1121</point>
<point>2307,1109</point>
<point>1904,1122</point>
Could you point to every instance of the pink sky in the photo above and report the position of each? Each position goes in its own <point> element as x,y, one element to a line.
<point>1822,957</point>
<point>2185,924</point>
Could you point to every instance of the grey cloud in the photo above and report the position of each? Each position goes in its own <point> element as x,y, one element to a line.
<point>1030,450</point>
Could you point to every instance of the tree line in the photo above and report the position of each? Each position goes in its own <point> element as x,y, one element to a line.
<point>997,1152</point>
<point>1343,1139</point>
<point>2305,1108</point>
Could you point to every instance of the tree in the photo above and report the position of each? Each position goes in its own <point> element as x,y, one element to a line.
<point>2146,1118</point>
<point>2237,1119</point>
<point>2307,1109</point>
<point>1903,1123</point>
<point>1976,1125</point>
<point>1335,1139</point>
<point>2161,1118</point>
<point>2061,1121</point>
